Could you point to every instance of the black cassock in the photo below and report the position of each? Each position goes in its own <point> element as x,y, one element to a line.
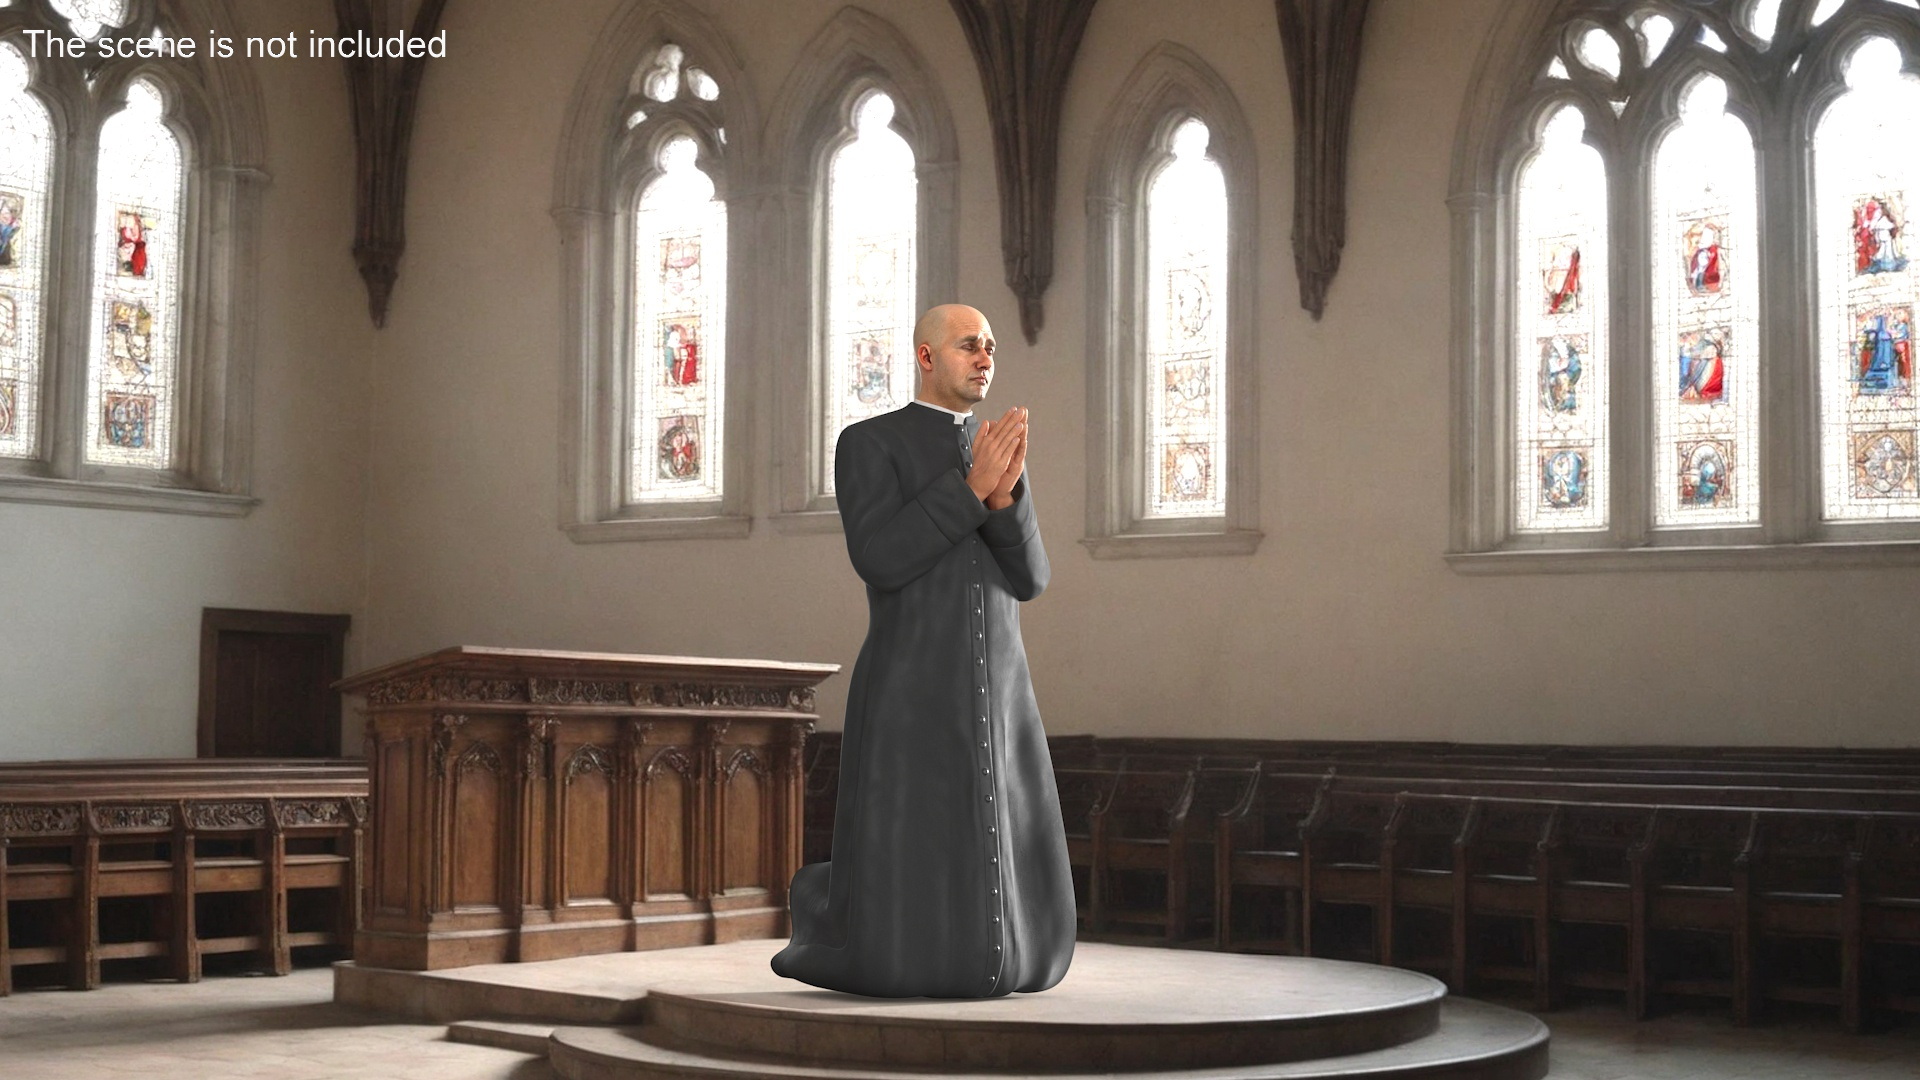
<point>949,874</point>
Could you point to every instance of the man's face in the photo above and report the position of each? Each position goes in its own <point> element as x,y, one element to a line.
<point>958,364</point>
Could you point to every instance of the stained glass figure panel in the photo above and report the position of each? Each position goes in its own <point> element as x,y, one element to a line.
<point>132,370</point>
<point>871,290</point>
<point>1186,357</point>
<point>1866,183</point>
<point>1706,329</point>
<point>25,172</point>
<point>1560,317</point>
<point>679,360</point>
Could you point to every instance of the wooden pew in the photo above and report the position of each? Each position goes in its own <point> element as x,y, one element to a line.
<point>1890,910</point>
<point>1257,847</point>
<point>1343,863</point>
<point>1132,832</point>
<point>1591,883</point>
<point>1082,791</point>
<point>1690,883</point>
<point>114,861</point>
<point>1506,879</point>
<point>1802,884</point>
<point>1423,871</point>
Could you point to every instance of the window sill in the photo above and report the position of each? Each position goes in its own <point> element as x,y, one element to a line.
<point>1835,554</point>
<point>806,522</point>
<point>707,527</point>
<point>1174,545</point>
<point>115,496</point>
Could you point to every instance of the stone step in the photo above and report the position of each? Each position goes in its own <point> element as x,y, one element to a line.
<point>503,1035</point>
<point>1474,1041</point>
<point>1376,1008</point>
<point>495,992</point>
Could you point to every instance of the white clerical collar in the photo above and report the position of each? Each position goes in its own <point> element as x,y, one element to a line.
<point>958,417</point>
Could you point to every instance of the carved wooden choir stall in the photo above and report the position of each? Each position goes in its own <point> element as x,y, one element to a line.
<point>121,868</point>
<point>531,805</point>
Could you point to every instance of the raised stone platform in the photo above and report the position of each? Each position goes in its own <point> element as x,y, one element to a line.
<point>718,1011</point>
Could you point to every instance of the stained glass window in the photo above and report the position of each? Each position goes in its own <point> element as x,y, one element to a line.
<point>1706,329</point>
<point>26,161</point>
<point>87,17</point>
<point>870,304</point>
<point>1561,354</point>
<point>679,362</point>
<point>1866,183</point>
<point>132,373</point>
<point>1186,354</point>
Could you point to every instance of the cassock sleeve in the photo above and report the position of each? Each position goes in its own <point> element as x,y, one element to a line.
<point>894,538</point>
<point>1012,533</point>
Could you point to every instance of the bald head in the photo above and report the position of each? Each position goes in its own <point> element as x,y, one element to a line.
<point>934,324</point>
<point>953,347</point>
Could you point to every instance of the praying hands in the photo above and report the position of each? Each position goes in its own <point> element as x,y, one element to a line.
<point>999,458</point>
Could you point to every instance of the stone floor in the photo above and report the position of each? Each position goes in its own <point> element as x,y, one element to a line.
<point>290,1029</point>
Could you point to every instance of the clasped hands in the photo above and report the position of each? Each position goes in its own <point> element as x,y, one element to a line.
<point>999,458</point>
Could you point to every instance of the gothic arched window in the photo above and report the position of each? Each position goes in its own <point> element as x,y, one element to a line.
<point>128,203</point>
<point>1172,448</point>
<point>659,140</point>
<point>1684,316</point>
<point>862,148</point>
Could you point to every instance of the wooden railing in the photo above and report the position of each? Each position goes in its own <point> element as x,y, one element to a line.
<point>167,862</point>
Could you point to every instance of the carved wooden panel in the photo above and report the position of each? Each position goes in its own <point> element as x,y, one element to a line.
<point>393,826</point>
<point>669,787</point>
<point>588,798</point>
<point>746,786</point>
<point>480,785</point>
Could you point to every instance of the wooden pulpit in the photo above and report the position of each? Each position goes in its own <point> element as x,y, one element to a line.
<point>529,805</point>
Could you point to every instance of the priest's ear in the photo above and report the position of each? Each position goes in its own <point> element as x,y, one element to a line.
<point>923,357</point>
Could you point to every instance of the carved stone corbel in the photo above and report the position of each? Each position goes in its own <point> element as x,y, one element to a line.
<point>1321,40</point>
<point>1025,49</point>
<point>381,94</point>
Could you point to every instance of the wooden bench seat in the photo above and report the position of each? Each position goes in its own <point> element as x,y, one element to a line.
<point>103,862</point>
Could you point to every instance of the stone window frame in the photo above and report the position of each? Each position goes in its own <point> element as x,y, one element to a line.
<point>1507,105</point>
<point>214,109</point>
<point>854,54</point>
<point>1168,86</point>
<point>603,167</point>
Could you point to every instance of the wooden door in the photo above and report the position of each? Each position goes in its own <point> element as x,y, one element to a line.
<point>266,681</point>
